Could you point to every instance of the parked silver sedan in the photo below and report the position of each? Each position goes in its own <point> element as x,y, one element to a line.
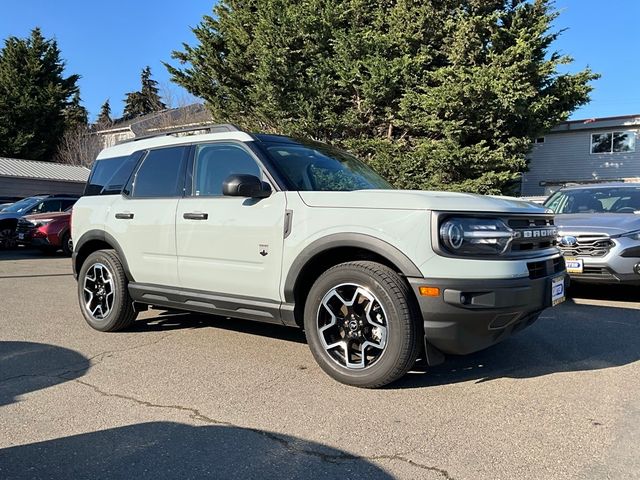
<point>599,231</point>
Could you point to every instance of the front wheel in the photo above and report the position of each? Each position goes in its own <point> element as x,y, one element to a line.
<point>102,292</point>
<point>7,237</point>
<point>361,324</point>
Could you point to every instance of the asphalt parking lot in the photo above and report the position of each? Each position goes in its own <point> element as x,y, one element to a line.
<point>194,396</point>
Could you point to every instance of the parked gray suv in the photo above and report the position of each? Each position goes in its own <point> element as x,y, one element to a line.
<point>599,231</point>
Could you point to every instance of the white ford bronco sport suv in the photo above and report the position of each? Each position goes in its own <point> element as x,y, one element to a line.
<point>292,232</point>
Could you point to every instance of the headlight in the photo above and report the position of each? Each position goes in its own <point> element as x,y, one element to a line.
<point>42,223</point>
<point>635,235</point>
<point>475,236</point>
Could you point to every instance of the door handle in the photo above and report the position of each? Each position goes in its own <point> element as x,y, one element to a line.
<point>124,216</point>
<point>195,216</point>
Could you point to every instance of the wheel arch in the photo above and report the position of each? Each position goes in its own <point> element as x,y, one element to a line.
<point>332,250</point>
<point>92,241</point>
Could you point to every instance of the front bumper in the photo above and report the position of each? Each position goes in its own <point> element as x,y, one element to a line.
<point>470,315</point>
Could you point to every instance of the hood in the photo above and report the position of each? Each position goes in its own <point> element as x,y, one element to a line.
<point>419,200</point>
<point>51,215</point>
<point>611,224</point>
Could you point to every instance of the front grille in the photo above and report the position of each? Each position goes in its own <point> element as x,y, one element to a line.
<point>545,268</point>
<point>588,246</point>
<point>532,233</point>
<point>24,226</point>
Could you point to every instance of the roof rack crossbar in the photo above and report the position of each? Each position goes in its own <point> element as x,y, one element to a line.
<point>218,128</point>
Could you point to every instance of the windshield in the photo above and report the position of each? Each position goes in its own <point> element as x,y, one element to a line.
<point>22,205</point>
<point>596,200</point>
<point>318,167</point>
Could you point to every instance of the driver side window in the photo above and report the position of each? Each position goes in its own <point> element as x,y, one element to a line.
<point>215,162</point>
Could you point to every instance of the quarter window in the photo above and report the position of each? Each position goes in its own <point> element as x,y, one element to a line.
<point>161,173</point>
<point>215,162</point>
<point>613,142</point>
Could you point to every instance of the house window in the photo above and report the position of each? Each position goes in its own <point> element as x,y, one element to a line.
<point>539,140</point>
<point>613,142</point>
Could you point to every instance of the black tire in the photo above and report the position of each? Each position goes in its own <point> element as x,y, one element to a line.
<point>121,313</point>
<point>401,317</point>
<point>8,238</point>
<point>67,246</point>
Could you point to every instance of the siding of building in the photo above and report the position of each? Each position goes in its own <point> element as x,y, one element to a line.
<point>565,156</point>
<point>26,187</point>
<point>23,178</point>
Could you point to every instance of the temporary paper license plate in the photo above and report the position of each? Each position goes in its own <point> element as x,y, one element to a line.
<point>557,291</point>
<point>574,265</point>
<point>21,236</point>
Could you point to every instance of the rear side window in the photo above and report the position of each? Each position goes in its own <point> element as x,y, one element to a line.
<point>109,175</point>
<point>161,173</point>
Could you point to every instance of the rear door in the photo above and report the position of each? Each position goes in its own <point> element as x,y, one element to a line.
<point>142,219</point>
<point>229,245</point>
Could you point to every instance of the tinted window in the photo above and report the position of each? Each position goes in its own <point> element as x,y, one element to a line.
<point>46,206</point>
<point>161,173</point>
<point>214,163</point>
<point>102,172</point>
<point>64,204</point>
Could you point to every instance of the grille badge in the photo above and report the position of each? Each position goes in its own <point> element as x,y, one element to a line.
<point>568,241</point>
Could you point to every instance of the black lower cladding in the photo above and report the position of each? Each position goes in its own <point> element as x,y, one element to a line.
<point>470,315</point>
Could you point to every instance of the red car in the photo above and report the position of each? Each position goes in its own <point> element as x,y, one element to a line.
<point>49,232</point>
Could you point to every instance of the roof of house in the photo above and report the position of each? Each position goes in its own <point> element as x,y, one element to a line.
<point>190,114</point>
<point>13,167</point>
<point>602,122</point>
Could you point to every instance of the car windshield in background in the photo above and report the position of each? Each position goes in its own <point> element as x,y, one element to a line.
<point>20,206</point>
<point>317,167</point>
<point>596,200</point>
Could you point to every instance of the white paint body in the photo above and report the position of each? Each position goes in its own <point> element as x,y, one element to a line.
<point>222,254</point>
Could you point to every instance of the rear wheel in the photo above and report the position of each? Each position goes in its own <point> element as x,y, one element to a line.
<point>361,324</point>
<point>102,292</point>
<point>67,244</point>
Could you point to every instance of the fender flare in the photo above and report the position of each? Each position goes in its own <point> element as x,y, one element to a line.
<point>358,240</point>
<point>102,236</point>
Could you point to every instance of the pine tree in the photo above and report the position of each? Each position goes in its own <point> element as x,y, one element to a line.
<point>444,94</point>
<point>104,118</point>
<point>145,101</point>
<point>75,115</point>
<point>34,97</point>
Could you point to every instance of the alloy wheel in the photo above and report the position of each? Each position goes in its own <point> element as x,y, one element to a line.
<point>352,326</point>
<point>7,238</point>
<point>99,291</point>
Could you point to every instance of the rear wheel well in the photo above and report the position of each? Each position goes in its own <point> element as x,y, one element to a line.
<point>323,261</point>
<point>87,249</point>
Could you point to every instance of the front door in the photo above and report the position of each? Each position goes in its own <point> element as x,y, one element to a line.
<point>229,245</point>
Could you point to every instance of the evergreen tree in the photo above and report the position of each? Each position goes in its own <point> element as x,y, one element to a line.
<point>147,100</point>
<point>75,115</point>
<point>104,118</point>
<point>34,97</point>
<point>444,94</point>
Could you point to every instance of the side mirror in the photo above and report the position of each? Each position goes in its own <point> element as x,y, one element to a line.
<point>250,186</point>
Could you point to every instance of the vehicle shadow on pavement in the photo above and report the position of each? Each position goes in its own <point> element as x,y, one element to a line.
<point>26,367</point>
<point>567,338</point>
<point>174,320</point>
<point>172,450</point>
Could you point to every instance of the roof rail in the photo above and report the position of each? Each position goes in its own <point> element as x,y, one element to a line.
<point>218,128</point>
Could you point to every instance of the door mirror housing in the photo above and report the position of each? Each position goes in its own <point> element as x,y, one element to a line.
<point>250,186</point>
